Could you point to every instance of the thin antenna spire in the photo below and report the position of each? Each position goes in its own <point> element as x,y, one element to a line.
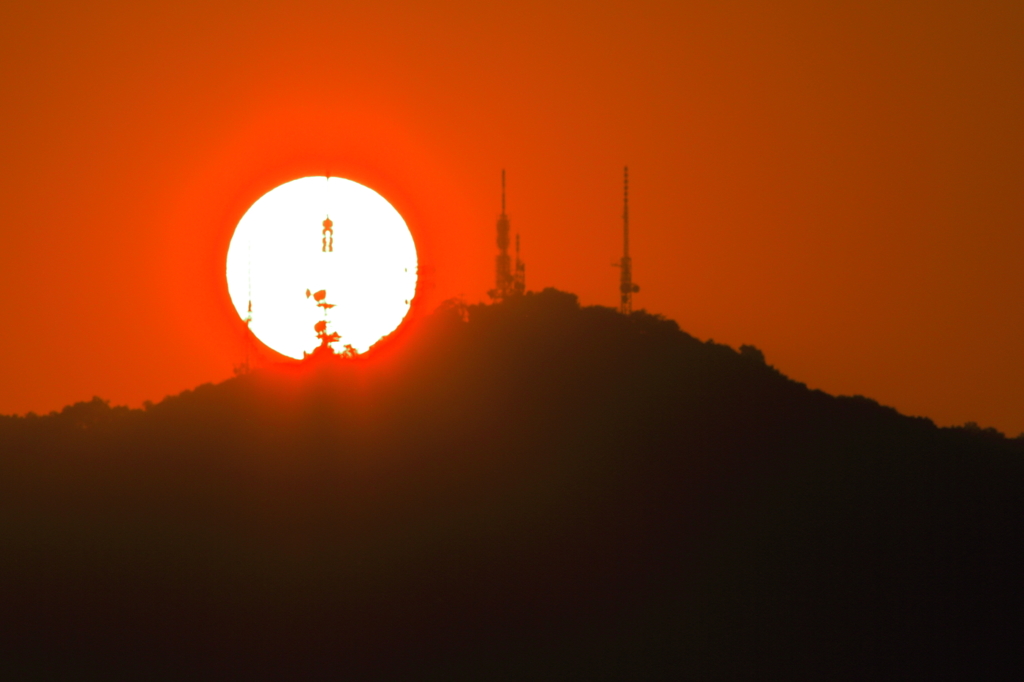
<point>626,286</point>
<point>502,191</point>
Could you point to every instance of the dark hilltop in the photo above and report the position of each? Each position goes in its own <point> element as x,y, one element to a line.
<point>527,490</point>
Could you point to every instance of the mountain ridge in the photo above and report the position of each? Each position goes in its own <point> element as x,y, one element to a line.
<point>526,489</point>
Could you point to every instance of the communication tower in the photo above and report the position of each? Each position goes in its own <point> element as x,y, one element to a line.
<point>626,286</point>
<point>506,283</point>
<point>327,244</point>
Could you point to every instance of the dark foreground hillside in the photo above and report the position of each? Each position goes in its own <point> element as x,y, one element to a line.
<point>523,491</point>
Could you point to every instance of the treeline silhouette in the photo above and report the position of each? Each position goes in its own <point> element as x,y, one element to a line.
<point>527,490</point>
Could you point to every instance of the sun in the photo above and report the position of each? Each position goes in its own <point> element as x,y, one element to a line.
<point>321,262</point>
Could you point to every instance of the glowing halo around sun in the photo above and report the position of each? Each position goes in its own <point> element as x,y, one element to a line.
<point>279,251</point>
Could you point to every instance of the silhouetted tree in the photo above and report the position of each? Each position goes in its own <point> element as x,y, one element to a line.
<point>752,353</point>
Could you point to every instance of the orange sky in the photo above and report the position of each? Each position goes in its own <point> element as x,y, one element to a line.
<point>839,184</point>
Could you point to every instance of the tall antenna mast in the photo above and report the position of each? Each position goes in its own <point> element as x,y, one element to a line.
<point>503,280</point>
<point>626,286</point>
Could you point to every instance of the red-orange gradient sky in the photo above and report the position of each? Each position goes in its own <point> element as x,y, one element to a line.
<point>839,184</point>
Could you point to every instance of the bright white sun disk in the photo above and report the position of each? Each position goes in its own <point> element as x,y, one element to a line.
<point>277,253</point>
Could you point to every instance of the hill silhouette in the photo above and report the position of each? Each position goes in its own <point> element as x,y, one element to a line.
<point>528,490</point>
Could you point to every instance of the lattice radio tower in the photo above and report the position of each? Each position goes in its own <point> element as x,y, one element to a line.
<point>626,286</point>
<point>507,282</point>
